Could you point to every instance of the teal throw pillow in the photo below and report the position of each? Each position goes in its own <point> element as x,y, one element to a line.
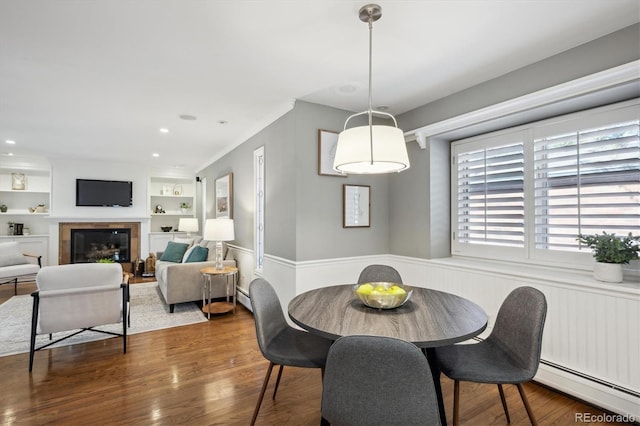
<point>174,252</point>
<point>198,254</point>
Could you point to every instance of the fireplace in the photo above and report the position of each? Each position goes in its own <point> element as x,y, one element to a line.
<point>103,243</point>
<point>92,245</point>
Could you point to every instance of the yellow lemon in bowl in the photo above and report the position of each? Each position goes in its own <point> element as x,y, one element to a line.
<point>365,289</point>
<point>394,289</point>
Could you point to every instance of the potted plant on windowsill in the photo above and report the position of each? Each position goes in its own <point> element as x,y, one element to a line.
<point>611,253</point>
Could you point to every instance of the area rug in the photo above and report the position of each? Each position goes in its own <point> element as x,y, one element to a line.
<point>148,312</point>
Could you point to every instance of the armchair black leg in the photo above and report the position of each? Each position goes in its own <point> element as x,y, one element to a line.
<point>34,325</point>
<point>125,315</point>
<point>171,307</point>
<point>15,286</point>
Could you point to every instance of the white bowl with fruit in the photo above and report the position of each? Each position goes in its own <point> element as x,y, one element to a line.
<point>383,295</point>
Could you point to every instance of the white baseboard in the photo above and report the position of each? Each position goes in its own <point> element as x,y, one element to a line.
<point>244,300</point>
<point>597,394</point>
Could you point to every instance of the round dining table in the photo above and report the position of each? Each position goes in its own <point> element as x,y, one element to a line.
<point>430,318</point>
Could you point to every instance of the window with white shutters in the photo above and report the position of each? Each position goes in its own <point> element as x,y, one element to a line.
<point>528,192</point>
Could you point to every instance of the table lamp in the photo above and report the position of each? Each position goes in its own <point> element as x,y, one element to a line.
<point>218,230</point>
<point>188,225</point>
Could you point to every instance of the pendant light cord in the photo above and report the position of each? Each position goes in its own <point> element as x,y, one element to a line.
<point>370,85</point>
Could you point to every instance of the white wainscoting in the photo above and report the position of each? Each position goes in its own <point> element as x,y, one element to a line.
<point>591,344</point>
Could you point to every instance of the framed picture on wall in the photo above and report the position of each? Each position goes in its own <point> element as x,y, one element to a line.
<point>224,196</point>
<point>18,181</point>
<point>356,201</point>
<point>327,143</point>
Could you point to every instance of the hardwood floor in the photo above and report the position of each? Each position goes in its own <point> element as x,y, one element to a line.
<point>208,373</point>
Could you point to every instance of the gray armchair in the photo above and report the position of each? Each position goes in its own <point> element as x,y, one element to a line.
<point>511,353</point>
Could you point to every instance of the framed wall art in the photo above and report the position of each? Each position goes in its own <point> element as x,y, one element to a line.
<point>356,201</point>
<point>18,181</point>
<point>224,196</point>
<point>327,143</point>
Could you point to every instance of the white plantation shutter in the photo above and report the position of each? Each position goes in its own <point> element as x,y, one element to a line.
<point>528,192</point>
<point>490,194</point>
<point>587,181</point>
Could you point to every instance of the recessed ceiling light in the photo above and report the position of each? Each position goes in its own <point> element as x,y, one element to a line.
<point>164,130</point>
<point>10,142</point>
<point>382,107</point>
<point>347,88</point>
<point>155,154</point>
<point>187,117</point>
<point>223,122</point>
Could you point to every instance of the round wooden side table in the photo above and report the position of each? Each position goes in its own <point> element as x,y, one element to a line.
<point>219,307</point>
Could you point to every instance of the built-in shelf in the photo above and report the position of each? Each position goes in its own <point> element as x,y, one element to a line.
<point>36,191</point>
<point>168,193</point>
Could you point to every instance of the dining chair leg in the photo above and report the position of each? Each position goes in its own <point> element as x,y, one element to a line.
<point>456,401</point>
<point>277,382</point>
<point>264,387</point>
<point>526,404</point>
<point>504,403</point>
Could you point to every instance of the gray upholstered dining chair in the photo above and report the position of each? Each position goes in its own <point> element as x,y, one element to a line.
<point>373,380</point>
<point>379,273</point>
<point>511,353</point>
<point>280,343</point>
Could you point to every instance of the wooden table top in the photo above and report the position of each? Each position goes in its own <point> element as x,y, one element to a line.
<point>430,318</point>
<point>211,270</point>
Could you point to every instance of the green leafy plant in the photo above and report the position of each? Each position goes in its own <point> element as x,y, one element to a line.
<point>105,260</point>
<point>185,205</point>
<point>607,248</point>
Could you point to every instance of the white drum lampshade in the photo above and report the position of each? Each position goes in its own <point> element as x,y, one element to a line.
<point>188,225</point>
<point>356,154</point>
<point>219,230</point>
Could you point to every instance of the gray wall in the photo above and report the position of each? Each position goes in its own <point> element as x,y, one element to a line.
<point>612,50</point>
<point>303,213</point>
<point>419,218</point>
<point>320,234</point>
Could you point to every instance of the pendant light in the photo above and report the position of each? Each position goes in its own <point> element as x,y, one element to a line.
<point>371,149</point>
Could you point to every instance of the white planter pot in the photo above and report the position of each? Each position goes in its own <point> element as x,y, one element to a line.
<point>608,272</point>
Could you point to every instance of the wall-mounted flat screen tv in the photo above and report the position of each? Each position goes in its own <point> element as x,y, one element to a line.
<point>104,193</point>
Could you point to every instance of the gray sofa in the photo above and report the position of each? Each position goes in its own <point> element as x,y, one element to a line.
<point>183,282</point>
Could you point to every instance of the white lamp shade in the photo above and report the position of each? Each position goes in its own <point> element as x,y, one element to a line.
<point>188,224</point>
<point>218,230</point>
<point>353,153</point>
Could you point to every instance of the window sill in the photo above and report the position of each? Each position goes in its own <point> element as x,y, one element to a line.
<point>584,280</point>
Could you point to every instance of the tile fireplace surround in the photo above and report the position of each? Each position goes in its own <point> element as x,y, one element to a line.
<point>64,248</point>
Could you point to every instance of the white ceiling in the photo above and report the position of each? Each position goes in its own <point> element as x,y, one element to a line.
<point>97,79</point>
